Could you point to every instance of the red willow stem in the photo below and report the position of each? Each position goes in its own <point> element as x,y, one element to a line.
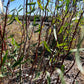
<point>44,48</point>
<point>5,20</point>
<point>3,35</point>
<point>57,80</point>
<point>26,31</point>
<point>36,56</point>
<point>39,39</point>
<point>48,63</point>
<point>46,38</point>
<point>1,45</point>
<point>26,16</point>
<point>75,77</point>
<point>23,32</point>
<point>70,67</point>
<point>29,43</point>
<point>72,37</point>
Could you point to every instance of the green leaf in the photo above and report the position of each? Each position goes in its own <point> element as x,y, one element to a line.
<point>74,1</point>
<point>67,4</point>
<point>18,62</point>
<point>12,0</point>
<point>61,44</point>
<point>48,78</point>
<point>17,19</point>
<point>34,44</point>
<point>20,9</point>
<point>5,57</point>
<point>47,3</point>
<point>61,29</point>
<point>47,10</point>
<point>59,6</point>
<point>60,0</point>
<point>34,19</point>
<point>13,41</point>
<point>65,47</point>
<point>55,35</point>
<point>37,76</point>
<point>31,3</point>
<point>66,24</point>
<point>61,76</point>
<point>46,46</point>
<point>12,10</point>
<point>75,50</point>
<point>53,21</point>
<point>77,82</point>
<point>11,20</point>
<point>62,68</point>
<point>34,23</point>
<point>39,4</point>
<point>1,75</point>
<point>11,36</point>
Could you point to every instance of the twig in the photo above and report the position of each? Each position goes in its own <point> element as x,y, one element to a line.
<point>76,77</point>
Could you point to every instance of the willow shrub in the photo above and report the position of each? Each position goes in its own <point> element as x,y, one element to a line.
<point>43,46</point>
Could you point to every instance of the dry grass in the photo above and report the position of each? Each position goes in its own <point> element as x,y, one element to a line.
<point>14,29</point>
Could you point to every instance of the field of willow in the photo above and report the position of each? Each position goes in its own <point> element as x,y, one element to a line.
<point>44,45</point>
